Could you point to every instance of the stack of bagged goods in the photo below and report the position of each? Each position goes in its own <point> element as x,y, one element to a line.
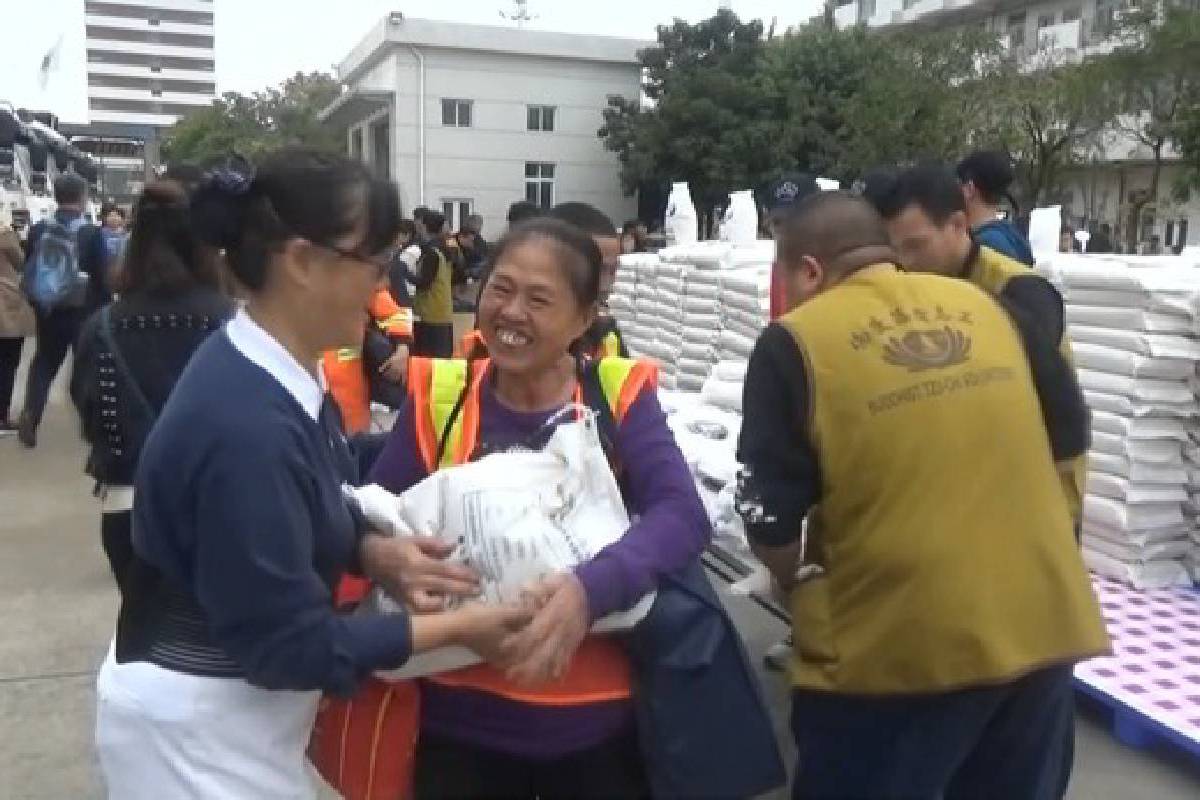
<point>745,298</point>
<point>646,308</point>
<point>724,386</point>
<point>668,321</point>
<point>622,303</point>
<point>1191,455</point>
<point>1133,331</point>
<point>701,314</point>
<point>707,436</point>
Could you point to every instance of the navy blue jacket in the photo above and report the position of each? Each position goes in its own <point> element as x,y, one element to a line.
<point>1003,237</point>
<point>702,721</point>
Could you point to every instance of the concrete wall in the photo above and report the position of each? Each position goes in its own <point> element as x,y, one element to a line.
<point>485,163</point>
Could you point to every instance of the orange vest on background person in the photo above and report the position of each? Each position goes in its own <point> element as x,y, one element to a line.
<point>599,671</point>
<point>345,371</point>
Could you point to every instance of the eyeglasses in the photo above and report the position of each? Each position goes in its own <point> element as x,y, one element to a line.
<point>381,262</point>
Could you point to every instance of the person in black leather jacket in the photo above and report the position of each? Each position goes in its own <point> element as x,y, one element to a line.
<point>169,302</point>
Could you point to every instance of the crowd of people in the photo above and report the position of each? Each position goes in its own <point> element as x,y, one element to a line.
<point>912,446</point>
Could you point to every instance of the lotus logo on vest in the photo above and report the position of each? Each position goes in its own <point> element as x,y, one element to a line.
<point>918,351</point>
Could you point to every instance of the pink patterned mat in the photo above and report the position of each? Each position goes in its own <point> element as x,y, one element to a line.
<point>1154,672</point>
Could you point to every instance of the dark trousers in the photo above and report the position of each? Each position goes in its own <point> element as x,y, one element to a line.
<point>56,335</point>
<point>449,770</point>
<point>995,743</point>
<point>433,339</point>
<point>10,359</point>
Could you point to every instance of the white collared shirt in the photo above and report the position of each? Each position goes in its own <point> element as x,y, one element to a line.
<point>265,350</point>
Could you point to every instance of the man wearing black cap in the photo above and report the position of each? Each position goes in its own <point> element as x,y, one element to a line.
<point>781,195</point>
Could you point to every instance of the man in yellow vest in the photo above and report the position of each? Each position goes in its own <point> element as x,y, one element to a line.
<point>927,221</point>
<point>938,598</point>
<point>433,302</point>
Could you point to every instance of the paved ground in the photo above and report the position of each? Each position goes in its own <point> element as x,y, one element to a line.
<point>58,605</point>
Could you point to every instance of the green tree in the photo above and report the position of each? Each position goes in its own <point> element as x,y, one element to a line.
<point>1189,145</point>
<point>1046,113</point>
<point>1155,75</point>
<point>920,99</point>
<point>251,124</point>
<point>708,120</point>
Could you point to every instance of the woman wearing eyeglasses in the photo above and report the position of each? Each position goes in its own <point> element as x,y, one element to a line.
<point>240,529</point>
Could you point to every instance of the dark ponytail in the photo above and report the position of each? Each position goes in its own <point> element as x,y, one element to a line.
<point>992,173</point>
<point>251,212</point>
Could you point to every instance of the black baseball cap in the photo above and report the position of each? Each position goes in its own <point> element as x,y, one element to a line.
<point>788,190</point>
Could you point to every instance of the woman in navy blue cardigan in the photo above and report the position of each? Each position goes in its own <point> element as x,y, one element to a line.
<point>240,529</point>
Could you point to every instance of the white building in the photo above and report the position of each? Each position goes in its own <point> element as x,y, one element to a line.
<point>1103,188</point>
<point>469,118</point>
<point>149,63</point>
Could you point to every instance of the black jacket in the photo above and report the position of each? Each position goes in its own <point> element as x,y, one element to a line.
<point>157,336</point>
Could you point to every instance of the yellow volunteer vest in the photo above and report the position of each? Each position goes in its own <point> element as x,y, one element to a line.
<point>991,272</point>
<point>947,547</point>
<point>434,304</point>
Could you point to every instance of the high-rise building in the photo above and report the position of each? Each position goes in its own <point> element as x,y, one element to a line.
<point>149,63</point>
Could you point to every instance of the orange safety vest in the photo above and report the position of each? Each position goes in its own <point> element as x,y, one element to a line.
<point>345,372</point>
<point>600,670</point>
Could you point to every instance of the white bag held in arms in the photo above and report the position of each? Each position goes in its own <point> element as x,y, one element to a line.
<point>518,517</point>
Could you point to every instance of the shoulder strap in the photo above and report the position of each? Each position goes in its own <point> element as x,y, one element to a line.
<point>594,398</point>
<point>109,338</point>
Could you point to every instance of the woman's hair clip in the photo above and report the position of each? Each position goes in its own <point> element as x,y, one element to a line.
<point>234,177</point>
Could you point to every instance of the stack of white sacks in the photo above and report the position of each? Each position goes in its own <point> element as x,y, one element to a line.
<point>1133,327</point>
<point>697,309</point>
<point>699,304</point>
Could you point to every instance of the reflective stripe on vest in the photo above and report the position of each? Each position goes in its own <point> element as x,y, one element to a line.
<point>599,672</point>
<point>610,346</point>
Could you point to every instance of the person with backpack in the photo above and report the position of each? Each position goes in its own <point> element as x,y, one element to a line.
<point>64,280</point>
<point>131,352</point>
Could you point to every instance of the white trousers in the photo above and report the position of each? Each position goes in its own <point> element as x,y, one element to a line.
<point>163,735</point>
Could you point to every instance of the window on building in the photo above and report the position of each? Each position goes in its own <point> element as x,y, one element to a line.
<point>154,21</point>
<point>1072,14</point>
<point>1106,17</point>
<point>156,92</point>
<point>866,10</point>
<point>1016,29</point>
<point>456,211</point>
<point>540,118</point>
<point>539,184</point>
<point>1045,21</point>
<point>456,113</point>
<point>356,144</point>
<point>381,147</point>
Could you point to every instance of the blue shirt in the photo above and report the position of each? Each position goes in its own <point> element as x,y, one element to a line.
<point>239,502</point>
<point>1003,237</point>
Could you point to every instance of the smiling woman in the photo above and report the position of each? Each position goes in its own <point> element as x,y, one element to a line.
<point>555,716</point>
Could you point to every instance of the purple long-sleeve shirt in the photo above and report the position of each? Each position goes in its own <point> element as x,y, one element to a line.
<point>670,528</point>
